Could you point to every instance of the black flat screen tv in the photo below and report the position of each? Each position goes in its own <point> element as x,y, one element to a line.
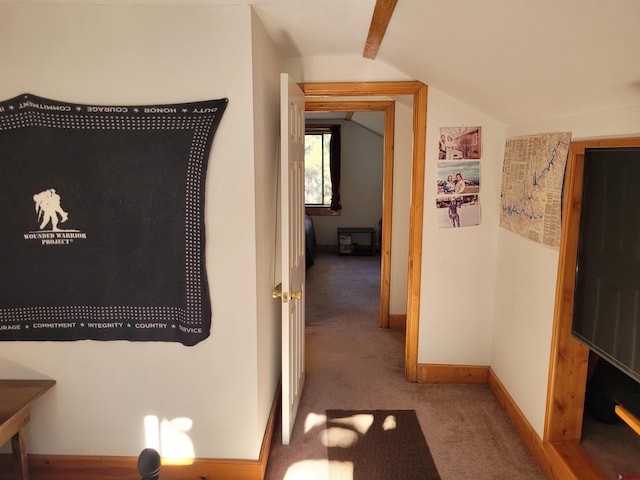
<point>606,307</point>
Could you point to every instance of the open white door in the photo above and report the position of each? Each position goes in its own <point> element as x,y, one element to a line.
<point>293,249</point>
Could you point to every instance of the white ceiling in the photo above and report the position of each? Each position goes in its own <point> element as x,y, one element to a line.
<point>518,61</point>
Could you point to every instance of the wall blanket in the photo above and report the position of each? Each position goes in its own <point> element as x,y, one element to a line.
<point>102,214</point>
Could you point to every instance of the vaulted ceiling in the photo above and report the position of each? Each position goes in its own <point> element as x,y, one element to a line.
<point>517,61</point>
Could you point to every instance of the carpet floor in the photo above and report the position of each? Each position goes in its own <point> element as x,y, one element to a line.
<point>352,364</point>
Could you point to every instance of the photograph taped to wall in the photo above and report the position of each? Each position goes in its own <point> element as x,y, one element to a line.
<point>103,220</point>
<point>458,178</point>
<point>460,143</point>
<point>458,211</point>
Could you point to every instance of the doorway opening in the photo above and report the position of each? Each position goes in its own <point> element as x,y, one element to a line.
<point>387,108</point>
<point>316,98</point>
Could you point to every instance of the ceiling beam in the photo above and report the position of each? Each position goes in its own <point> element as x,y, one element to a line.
<point>379,22</point>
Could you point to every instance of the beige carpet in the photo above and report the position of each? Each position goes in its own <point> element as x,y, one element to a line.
<point>352,364</point>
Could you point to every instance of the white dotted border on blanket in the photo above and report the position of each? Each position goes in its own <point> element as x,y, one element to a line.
<point>201,126</point>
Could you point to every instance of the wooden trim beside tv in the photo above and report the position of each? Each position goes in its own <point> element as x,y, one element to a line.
<point>568,357</point>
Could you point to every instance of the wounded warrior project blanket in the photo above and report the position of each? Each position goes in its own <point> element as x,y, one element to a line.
<point>102,231</point>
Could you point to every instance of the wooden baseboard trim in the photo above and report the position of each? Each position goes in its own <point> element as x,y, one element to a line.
<point>570,462</point>
<point>559,461</point>
<point>440,373</point>
<point>520,422</point>
<point>265,449</point>
<point>83,467</point>
<point>72,467</point>
<point>398,321</point>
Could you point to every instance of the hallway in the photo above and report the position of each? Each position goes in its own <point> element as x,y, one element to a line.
<point>353,364</point>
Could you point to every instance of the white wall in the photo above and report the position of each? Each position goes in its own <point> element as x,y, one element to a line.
<point>458,265</point>
<point>526,273</point>
<point>119,54</point>
<point>458,270</point>
<point>360,183</point>
<point>402,174</point>
<point>345,68</point>
<point>267,66</point>
<point>487,294</point>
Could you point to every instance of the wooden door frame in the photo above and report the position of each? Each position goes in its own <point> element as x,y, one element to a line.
<point>569,358</point>
<point>418,91</point>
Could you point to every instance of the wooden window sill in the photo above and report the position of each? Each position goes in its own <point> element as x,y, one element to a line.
<point>321,212</point>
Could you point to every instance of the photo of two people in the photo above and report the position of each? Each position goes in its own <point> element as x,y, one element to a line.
<point>458,178</point>
<point>457,199</point>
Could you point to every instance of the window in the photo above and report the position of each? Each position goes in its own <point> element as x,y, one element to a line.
<point>317,171</point>
<point>322,170</point>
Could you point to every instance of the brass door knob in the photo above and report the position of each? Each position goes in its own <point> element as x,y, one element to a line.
<point>286,296</point>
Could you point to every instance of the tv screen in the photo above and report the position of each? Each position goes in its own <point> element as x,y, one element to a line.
<point>606,309</point>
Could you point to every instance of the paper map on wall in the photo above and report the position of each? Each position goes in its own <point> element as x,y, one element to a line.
<point>532,181</point>
<point>102,232</point>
